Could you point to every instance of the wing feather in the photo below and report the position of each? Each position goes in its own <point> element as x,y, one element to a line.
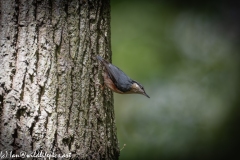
<point>119,78</point>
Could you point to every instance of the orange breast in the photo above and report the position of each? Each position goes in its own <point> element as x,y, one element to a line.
<point>109,83</point>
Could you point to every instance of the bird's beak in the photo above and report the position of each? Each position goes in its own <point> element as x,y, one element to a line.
<point>145,94</point>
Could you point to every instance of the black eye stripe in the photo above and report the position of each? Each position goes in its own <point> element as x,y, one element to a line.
<point>139,85</point>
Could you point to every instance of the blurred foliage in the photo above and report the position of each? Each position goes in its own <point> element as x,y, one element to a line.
<point>188,63</point>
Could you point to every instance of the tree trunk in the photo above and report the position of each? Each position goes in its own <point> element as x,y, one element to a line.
<point>49,100</point>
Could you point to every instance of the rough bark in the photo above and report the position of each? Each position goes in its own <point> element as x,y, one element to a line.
<point>49,100</point>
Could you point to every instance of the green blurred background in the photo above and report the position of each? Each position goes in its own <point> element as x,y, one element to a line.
<point>186,55</point>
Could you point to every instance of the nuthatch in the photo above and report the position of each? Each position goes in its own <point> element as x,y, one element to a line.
<point>116,80</point>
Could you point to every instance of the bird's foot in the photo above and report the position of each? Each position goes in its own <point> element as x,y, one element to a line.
<point>99,84</point>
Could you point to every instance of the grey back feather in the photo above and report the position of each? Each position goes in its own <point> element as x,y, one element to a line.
<point>119,78</point>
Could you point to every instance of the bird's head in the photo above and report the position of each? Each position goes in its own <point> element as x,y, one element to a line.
<point>138,88</point>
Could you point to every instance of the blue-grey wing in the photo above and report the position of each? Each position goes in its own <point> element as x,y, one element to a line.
<point>119,78</point>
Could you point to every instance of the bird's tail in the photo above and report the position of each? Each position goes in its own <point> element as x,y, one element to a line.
<point>99,58</point>
<point>102,60</point>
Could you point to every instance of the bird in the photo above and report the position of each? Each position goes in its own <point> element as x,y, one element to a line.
<point>117,81</point>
